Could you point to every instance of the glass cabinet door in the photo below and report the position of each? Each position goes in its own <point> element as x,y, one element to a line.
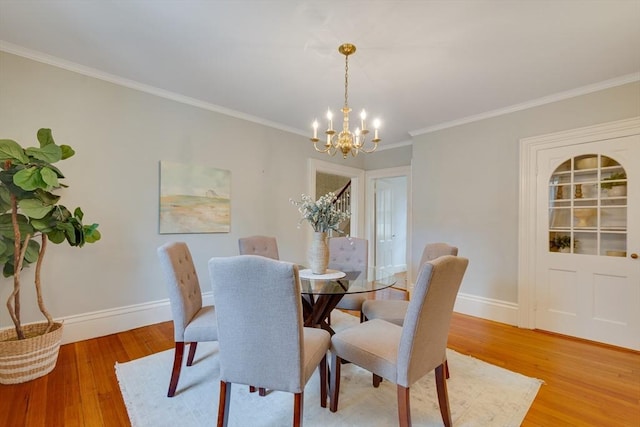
<point>588,207</point>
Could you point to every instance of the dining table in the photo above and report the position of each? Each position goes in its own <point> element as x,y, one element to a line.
<point>322,292</point>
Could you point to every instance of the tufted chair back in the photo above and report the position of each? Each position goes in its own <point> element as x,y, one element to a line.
<point>349,254</point>
<point>191,321</point>
<point>259,245</point>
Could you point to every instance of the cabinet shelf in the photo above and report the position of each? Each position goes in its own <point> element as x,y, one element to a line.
<point>582,214</point>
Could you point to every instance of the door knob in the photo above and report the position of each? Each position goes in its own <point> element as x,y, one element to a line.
<point>634,256</point>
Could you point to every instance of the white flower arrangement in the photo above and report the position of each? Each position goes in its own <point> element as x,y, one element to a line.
<point>321,214</point>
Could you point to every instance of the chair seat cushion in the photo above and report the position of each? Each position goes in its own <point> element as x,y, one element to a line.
<point>352,302</point>
<point>372,345</point>
<point>392,311</point>
<point>203,326</point>
<point>316,343</point>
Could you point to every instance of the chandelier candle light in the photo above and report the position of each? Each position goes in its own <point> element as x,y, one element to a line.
<point>346,141</point>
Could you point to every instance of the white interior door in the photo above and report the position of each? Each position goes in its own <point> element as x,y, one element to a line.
<point>593,291</point>
<point>390,228</point>
<point>383,227</point>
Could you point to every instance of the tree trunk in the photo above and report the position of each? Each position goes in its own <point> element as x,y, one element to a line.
<point>18,256</point>
<point>41,305</point>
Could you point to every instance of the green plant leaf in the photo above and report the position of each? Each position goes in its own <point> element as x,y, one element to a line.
<point>11,150</point>
<point>5,198</point>
<point>56,236</point>
<point>45,137</point>
<point>7,270</point>
<point>78,214</point>
<point>29,179</point>
<point>49,177</point>
<point>91,234</point>
<point>50,153</point>
<point>47,197</point>
<point>69,232</point>
<point>34,208</point>
<point>67,151</point>
<point>61,214</point>
<point>6,227</point>
<point>32,252</point>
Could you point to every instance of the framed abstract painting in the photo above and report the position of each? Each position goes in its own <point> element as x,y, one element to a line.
<point>194,199</point>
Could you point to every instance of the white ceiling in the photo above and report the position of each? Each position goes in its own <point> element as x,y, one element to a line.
<point>419,64</point>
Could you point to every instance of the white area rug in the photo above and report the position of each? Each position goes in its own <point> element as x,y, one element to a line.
<point>480,394</point>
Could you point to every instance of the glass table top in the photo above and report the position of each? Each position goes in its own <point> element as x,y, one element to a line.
<point>354,282</point>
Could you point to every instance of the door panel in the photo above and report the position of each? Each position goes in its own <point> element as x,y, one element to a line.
<point>592,292</point>
<point>383,227</point>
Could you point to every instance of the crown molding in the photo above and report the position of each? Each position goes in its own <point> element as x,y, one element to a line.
<point>132,84</point>
<point>618,81</point>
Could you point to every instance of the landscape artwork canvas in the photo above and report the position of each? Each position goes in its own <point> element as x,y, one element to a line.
<point>194,199</point>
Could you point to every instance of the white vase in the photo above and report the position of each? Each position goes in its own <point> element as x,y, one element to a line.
<point>318,254</point>
<point>617,191</point>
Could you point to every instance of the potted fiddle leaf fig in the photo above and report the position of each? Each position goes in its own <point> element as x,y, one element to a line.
<point>30,217</point>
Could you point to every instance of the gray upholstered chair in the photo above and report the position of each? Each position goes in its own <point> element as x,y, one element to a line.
<point>394,310</point>
<point>191,321</point>
<point>349,254</point>
<point>259,245</point>
<point>262,339</point>
<point>404,354</point>
<point>265,246</point>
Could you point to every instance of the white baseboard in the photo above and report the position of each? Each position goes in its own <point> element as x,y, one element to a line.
<point>487,308</point>
<point>106,322</point>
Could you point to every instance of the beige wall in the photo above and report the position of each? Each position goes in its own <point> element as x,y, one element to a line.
<point>120,135</point>
<point>465,183</point>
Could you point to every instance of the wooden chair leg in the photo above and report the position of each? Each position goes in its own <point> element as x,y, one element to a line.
<point>443,397</point>
<point>223,404</point>
<point>323,382</point>
<point>334,387</point>
<point>404,408</point>
<point>446,368</point>
<point>298,400</point>
<point>177,365</point>
<point>192,353</point>
<point>377,379</point>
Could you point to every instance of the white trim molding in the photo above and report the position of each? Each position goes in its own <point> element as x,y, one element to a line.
<point>487,308</point>
<point>95,324</point>
<point>619,81</point>
<point>529,148</point>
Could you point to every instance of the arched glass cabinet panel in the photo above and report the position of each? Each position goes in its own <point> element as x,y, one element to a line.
<point>588,207</point>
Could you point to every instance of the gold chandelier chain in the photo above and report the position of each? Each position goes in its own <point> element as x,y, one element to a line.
<point>346,80</point>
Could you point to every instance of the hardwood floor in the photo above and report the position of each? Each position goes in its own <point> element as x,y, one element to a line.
<point>586,384</point>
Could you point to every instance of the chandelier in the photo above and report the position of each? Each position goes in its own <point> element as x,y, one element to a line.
<point>346,141</point>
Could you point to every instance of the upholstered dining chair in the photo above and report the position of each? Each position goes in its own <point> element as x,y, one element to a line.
<point>404,354</point>
<point>394,310</point>
<point>266,246</point>
<point>260,329</point>
<point>349,254</point>
<point>192,322</point>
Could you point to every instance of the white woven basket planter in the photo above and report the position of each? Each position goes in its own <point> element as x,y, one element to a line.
<point>25,360</point>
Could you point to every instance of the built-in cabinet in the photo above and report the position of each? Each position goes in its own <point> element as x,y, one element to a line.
<point>588,207</point>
